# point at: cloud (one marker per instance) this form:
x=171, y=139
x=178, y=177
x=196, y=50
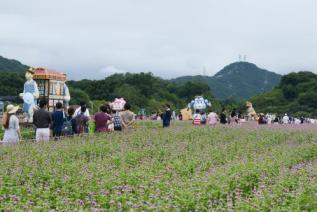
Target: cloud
x=168, y=38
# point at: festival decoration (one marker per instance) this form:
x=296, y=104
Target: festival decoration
x=186, y=114
x=52, y=87
x=251, y=114
x=118, y=104
x=30, y=95
x=199, y=103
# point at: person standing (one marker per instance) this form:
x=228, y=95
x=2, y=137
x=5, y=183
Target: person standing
x=82, y=121
x=223, y=117
x=70, y=125
x=166, y=116
x=285, y=119
x=128, y=117
x=58, y=118
x=117, y=121
x=78, y=110
x=197, y=118
x=42, y=120
x=233, y=116
x=212, y=119
x=102, y=119
x=11, y=126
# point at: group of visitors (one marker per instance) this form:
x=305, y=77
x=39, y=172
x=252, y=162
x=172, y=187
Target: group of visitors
x=67, y=123
x=200, y=117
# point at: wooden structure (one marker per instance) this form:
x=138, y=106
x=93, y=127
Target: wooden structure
x=51, y=86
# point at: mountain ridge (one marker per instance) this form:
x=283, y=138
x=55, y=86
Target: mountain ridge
x=238, y=80
x=11, y=65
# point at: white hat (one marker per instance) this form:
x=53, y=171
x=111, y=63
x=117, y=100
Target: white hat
x=12, y=109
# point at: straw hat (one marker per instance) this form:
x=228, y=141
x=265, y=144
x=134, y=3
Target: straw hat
x=12, y=109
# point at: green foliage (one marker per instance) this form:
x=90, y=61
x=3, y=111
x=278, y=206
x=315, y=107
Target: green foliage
x=144, y=90
x=78, y=96
x=11, y=83
x=296, y=95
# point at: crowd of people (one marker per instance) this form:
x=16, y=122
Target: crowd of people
x=67, y=122
x=71, y=122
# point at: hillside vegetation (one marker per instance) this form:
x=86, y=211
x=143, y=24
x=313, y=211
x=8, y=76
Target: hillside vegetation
x=296, y=94
x=144, y=90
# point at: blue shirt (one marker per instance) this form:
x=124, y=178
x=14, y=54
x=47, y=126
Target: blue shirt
x=58, y=120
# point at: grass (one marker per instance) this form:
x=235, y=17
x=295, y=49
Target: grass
x=150, y=168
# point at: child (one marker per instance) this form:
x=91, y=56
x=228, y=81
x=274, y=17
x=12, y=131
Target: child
x=197, y=118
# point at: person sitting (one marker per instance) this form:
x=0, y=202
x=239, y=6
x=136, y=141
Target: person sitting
x=58, y=119
x=11, y=125
x=128, y=117
x=82, y=121
x=102, y=119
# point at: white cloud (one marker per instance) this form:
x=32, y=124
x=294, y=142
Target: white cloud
x=168, y=38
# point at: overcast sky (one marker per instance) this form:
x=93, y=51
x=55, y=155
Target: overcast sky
x=170, y=38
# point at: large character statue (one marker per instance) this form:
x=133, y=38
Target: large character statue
x=199, y=103
x=251, y=114
x=30, y=95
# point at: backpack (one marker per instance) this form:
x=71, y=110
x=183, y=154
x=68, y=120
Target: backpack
x=67, y=128
x=117, y=121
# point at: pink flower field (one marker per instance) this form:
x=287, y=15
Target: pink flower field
x=244, y=167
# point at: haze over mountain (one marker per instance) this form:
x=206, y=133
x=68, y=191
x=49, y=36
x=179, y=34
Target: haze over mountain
x=239, y=80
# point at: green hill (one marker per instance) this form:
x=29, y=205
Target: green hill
x=9, y=65
x=240, y=80
x=296, y=94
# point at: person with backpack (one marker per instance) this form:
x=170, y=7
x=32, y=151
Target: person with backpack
x=70, y=125
x=58, y=118
x=82, y=121
x=197, y=118
x=117, y=121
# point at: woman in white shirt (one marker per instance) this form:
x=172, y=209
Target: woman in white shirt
x=11, y=125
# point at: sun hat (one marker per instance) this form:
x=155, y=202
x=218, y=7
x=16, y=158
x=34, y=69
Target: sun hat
x=12, y=109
